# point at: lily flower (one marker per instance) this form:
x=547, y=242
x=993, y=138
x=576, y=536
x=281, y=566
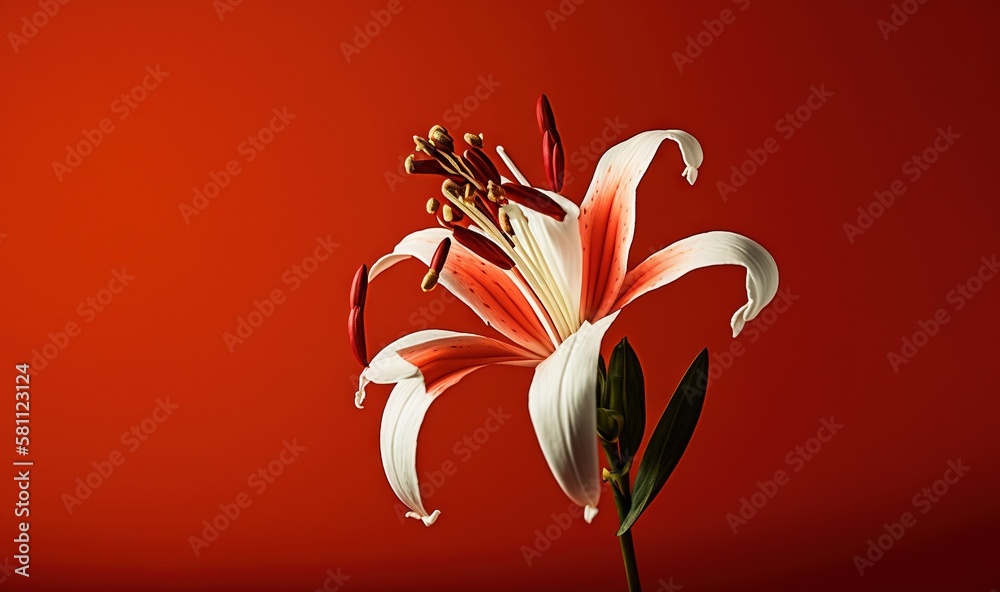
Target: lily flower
x=549, y=277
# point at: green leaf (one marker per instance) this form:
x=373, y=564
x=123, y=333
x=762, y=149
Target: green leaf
x=669, y=439
x=627, y=395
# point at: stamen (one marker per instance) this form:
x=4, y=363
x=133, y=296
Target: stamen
x=510, y=165
x=474, y=140
x=479, y=159
x=451, y=190
x=356, y=320
x=441, y=139
x=356, y=335
x=534, y=199
x=543, y=112
x=359, y=287
x=553, y=160
x=423, y=167
x=494, y=193
x=432, y=205
x=468, y=194
x=437, y=264
x=450, y=214
x=484, y=247
x=441, y=255
x=505, y=224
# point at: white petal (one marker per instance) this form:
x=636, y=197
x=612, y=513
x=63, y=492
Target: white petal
x=423, y=365
x=401, y=420
x=703, y=250
x=607, y=216
x=564, y=413
x=559, y=243
x=487, y=290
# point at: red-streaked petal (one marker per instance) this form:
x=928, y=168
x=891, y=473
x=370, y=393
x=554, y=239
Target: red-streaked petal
x=423, y=365
x=703, y=250
x=607, y=215
x=489, y=291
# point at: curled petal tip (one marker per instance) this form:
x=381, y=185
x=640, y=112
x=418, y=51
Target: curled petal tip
x=427, y=520
x=588, y=513
x=740, y=319
x=359, y=399
x=691, y=174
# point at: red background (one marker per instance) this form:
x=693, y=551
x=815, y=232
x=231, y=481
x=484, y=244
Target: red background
x=325, y=175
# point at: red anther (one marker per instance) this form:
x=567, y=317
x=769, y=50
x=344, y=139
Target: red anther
x=546, y=119
x=359, y=287
x=559, y=164
x=356, y=335
x=479, y=173
x=441, y=255
x=424, y=167
x=482, y=246
x=534, y=199
x=491, y=169
x=549, y=147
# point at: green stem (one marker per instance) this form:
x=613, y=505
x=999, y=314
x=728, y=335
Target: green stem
x=622, y=490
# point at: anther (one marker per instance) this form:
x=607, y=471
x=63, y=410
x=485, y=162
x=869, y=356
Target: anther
x=437, y=264
x=423, y=167
x=359, y=287
x=432, y=205
x=441, y=139
x=482, y=246
x=450, y=214
x=451, y=189
x=505, y=224
x=474, y=140
x=534, y=199
x=494, y=192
